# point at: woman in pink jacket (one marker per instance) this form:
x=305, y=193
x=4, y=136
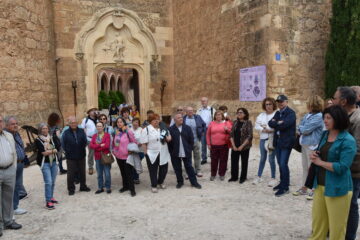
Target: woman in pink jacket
x=123, y=136
x=217, y=138
x=100, y=142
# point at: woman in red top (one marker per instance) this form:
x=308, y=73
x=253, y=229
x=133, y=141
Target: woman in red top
x=217, y=137
x=100, y=142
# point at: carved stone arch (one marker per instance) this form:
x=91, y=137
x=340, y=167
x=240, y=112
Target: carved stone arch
x=112, y=82
x=116, y=37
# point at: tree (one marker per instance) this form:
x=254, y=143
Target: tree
x=342, y=62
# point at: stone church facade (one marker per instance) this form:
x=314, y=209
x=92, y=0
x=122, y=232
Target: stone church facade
x=180, y=49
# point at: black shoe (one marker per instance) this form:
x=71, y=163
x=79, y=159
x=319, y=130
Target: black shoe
x=203, y=162
x=232, y=180
x=63, y=172
x=196, y=185
x=242, y=181
x=133, y=193
x=123, y=190
x=99, y=191
x=277, y=187
x=281, y=192
x=71, y=193
x=108, y=191
x=23, y=197
x=13, y=226
x=85, y=189
x=179, y=185
x=1, y=234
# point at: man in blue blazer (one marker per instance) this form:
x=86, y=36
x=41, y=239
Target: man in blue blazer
x=284, y=124
x=180, y=148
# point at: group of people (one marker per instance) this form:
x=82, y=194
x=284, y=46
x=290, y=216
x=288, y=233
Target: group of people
x=328, y=135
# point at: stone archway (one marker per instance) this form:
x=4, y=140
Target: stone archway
x=116, y=37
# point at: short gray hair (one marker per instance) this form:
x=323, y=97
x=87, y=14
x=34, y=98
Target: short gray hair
x=348, y=94
x=356, y=89
x=41, y=126
x=7, y=119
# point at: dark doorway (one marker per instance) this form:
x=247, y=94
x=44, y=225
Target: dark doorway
x=134, y=85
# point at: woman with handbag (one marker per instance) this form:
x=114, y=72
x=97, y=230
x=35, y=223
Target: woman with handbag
x=310, y=129
x=241, y=140
x=46, y=159
x=100, y=142
x=266, y=140
x=123, y=136
x=332, y=182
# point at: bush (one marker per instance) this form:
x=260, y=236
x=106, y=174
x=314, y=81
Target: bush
x=105, y=99
x=343, y=53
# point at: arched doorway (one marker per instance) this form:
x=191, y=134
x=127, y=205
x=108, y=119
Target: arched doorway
x=119, y=84
x=112, y=83
x=134, y=88
x=103, y=83
x=116, y=38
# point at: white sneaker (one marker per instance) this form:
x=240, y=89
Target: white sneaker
x=257, y=180
x=273, y=182
x=19, y=211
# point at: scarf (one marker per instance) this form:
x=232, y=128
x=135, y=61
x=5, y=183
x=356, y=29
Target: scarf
x=48, y=146
x=99, y=138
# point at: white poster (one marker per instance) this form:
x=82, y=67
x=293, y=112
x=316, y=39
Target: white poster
x=253, y=84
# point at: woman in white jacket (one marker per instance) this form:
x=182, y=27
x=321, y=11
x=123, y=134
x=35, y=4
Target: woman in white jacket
x=266, y=138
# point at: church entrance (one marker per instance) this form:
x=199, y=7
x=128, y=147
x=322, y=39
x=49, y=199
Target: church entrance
x=123, y=80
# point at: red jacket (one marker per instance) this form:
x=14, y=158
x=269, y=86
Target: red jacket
x=97, y=148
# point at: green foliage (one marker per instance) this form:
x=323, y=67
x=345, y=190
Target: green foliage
x=105, y=99
x=343, y=53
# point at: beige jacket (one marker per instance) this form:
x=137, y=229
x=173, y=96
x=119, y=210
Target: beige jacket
x=354, y=130
x=10, y=138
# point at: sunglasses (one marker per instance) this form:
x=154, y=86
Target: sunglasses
x=240, y=112
x=103, y=119
x=179, y=110
x=268, y=104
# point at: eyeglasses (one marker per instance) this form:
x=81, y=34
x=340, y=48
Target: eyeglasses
x=102, y=118
x=180, y=110
x=268, y=104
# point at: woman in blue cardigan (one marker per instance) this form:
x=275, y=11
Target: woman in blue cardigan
x=332, y=182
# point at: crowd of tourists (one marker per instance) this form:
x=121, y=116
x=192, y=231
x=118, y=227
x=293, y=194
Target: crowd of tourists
x=328, y=137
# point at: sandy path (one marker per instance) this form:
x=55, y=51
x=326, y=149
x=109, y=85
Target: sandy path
x=219, y=211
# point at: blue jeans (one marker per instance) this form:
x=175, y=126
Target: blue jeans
x=49, y=174
x=101, y=171
x=282, y=155
x=263, y=156
x=353, y=220
x=18, y=184
x=204, y=146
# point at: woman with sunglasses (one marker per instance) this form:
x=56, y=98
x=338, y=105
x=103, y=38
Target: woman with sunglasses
x=241, y=138
x=266, y=138
x=107, y=128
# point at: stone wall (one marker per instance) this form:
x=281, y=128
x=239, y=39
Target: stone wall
x=214, y=39
x=27, y=60
x=71, y=16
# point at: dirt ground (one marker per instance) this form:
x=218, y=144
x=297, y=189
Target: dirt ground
x=220, y=210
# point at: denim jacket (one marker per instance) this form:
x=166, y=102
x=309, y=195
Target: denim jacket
x=310, y=128
x=341, y=154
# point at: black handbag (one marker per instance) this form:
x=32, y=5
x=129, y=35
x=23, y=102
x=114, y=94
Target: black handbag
x=297, y=145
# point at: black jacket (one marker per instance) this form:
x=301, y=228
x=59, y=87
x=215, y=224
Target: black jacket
x=187, y=138
x=287, y=129
x=74, y=148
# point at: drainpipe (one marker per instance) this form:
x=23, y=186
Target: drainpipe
x=57, y=60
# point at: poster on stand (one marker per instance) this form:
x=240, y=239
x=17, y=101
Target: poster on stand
x=252, y=84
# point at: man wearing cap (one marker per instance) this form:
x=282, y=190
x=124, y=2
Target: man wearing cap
x=89, y=125
x=284, y=124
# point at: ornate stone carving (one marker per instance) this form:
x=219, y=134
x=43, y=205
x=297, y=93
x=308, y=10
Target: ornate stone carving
x=117, y=47
x=79, y=55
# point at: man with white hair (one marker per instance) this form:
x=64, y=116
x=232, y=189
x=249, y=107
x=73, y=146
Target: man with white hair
x=357, y=90
x=207, y=114
x=8, y=161
x=12, y=127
